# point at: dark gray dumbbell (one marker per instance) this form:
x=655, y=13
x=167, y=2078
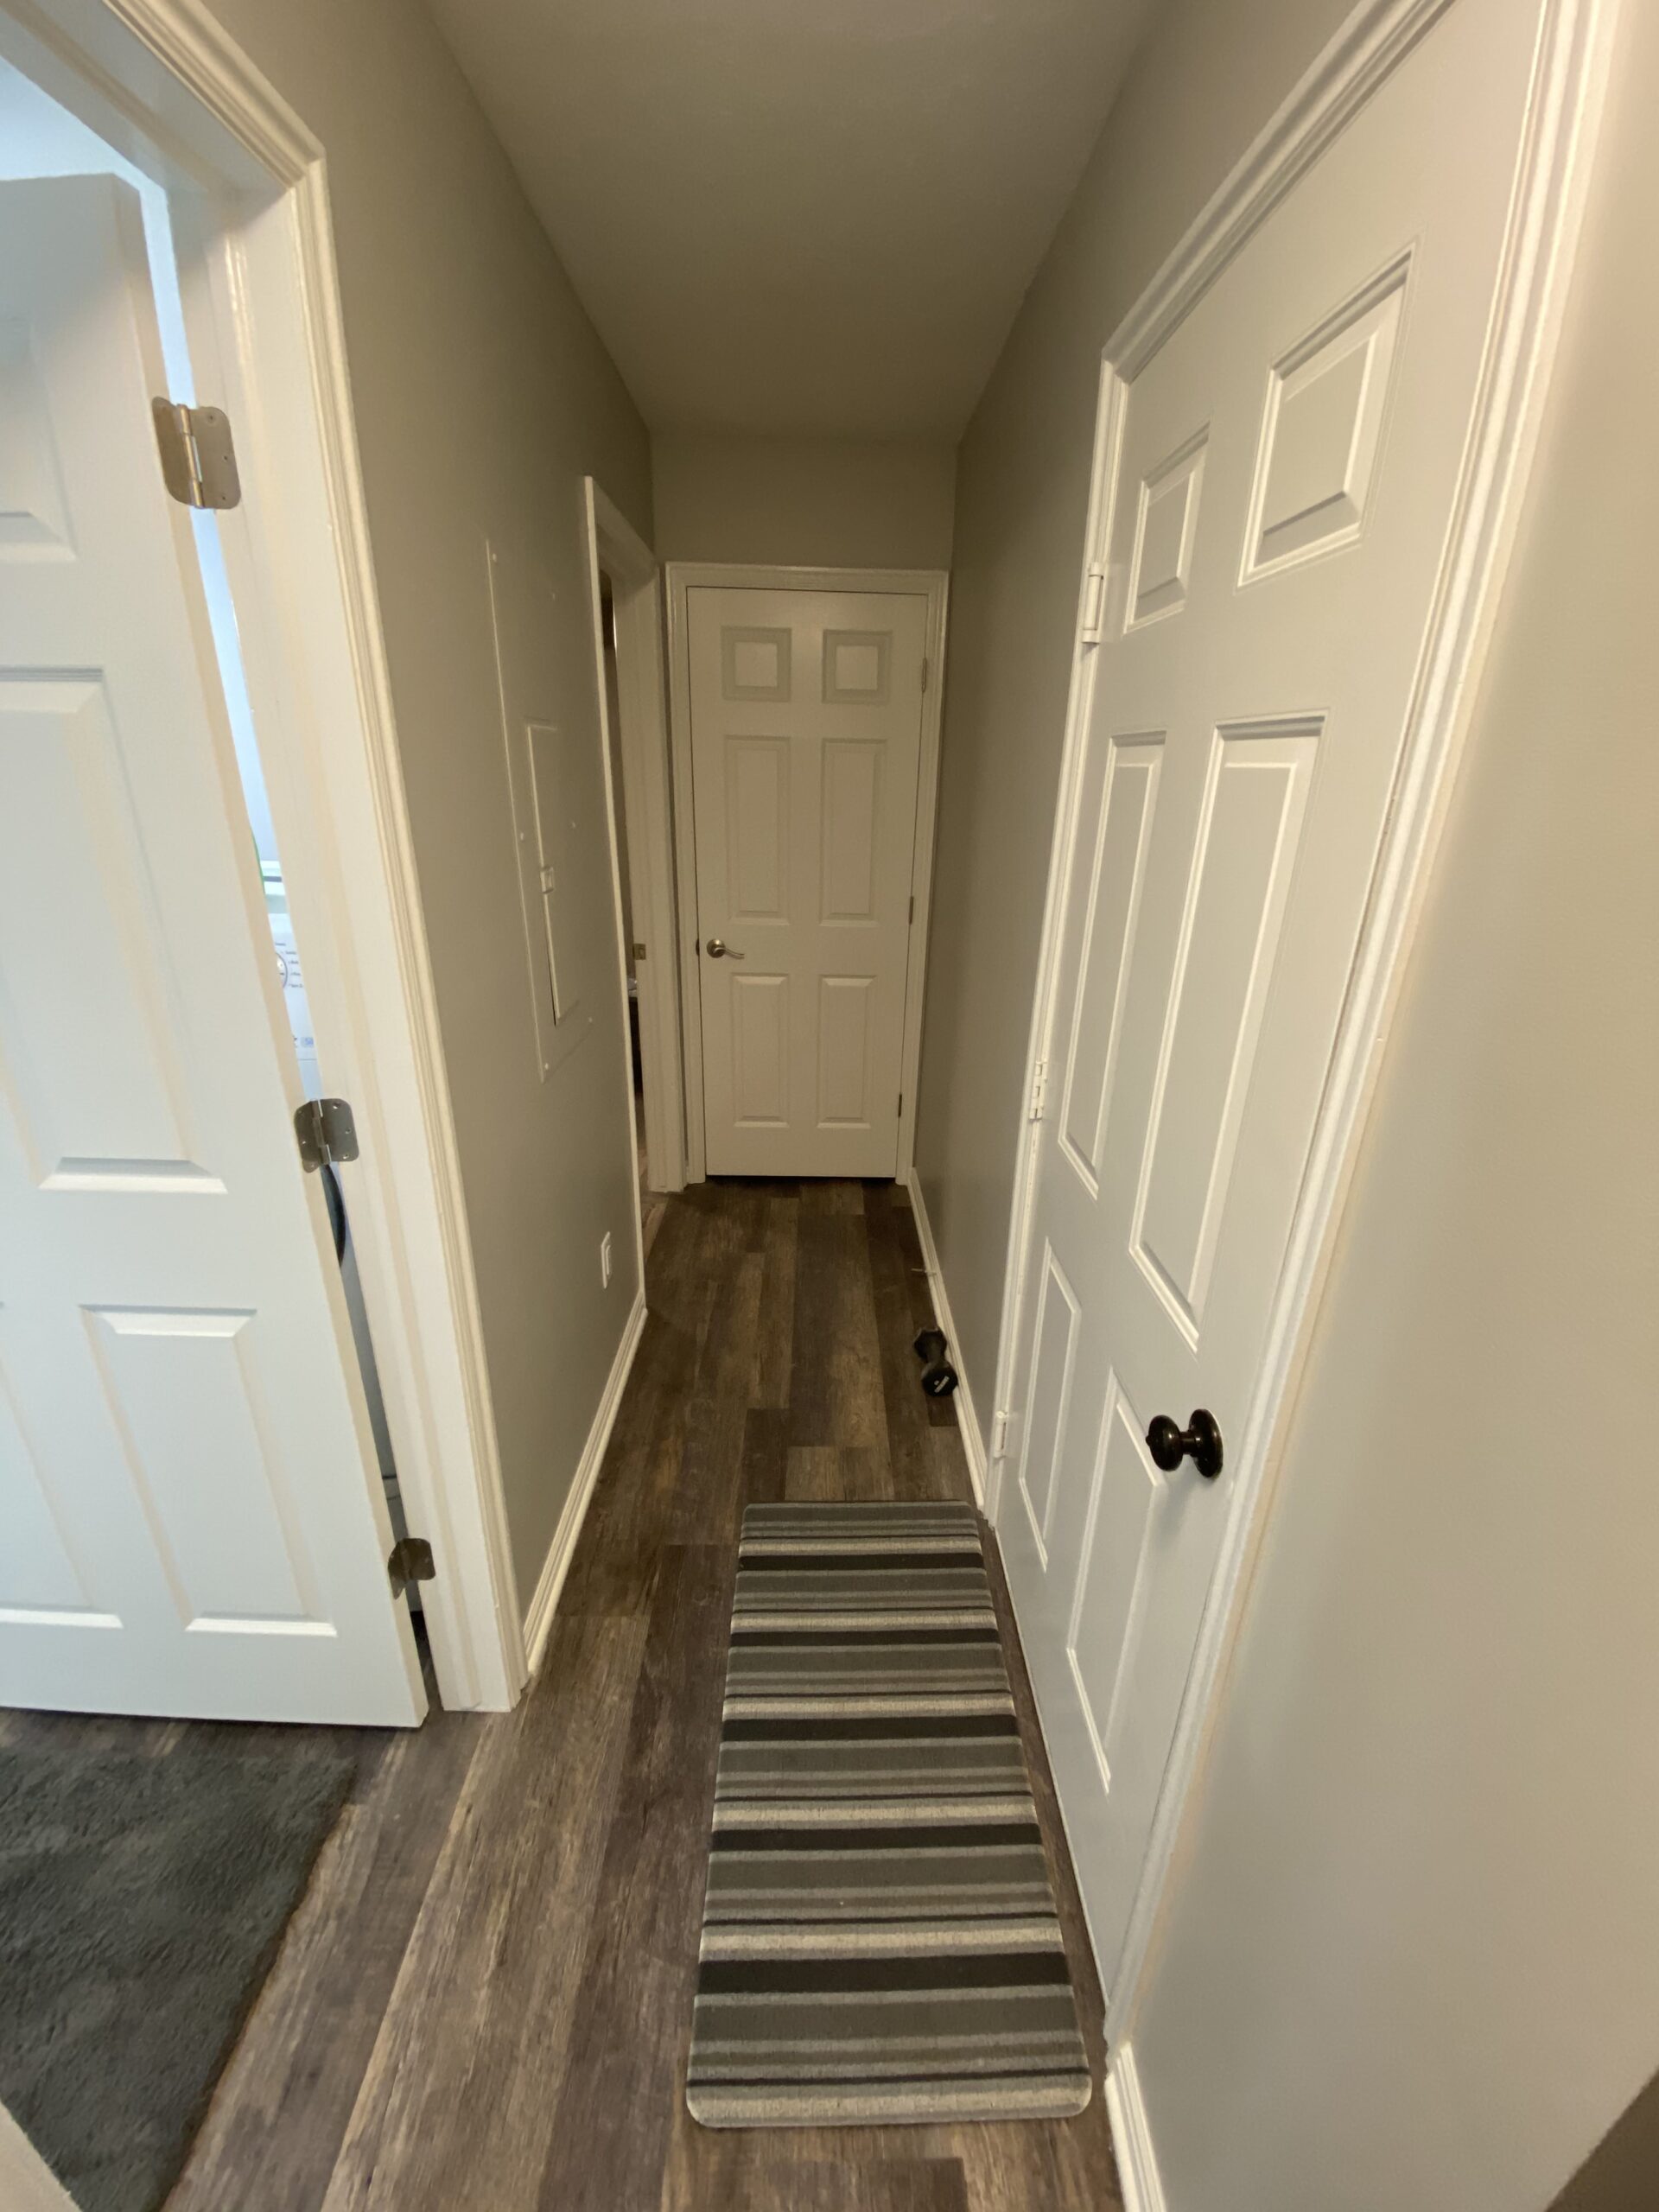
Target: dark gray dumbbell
x=938, y=1376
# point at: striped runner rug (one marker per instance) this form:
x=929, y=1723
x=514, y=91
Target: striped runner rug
x=879, y=1941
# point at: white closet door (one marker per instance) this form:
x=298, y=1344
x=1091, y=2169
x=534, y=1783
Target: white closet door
x=807, y=726
x=1289, y=463
x=194, y=1523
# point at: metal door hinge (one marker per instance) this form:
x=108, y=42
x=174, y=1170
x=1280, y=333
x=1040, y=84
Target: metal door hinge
x=901, y=1103
x=1001, y=1422
x=913, y=908
x=198, y=456
x=638, y=950
x=1039, y=1092
x=326, y=1130
x=924, y=673
x=409, y=1561
x=1094, y=603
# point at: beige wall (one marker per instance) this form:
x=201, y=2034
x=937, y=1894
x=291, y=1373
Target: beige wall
x=1209, y=78
x=812, y=502
x=1411, y=1954
x=482, y=396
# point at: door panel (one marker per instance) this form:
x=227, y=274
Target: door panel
x=806, y=714
x=1289, y=463
x=193, y=1513
x=1245, y=849
x=1125, y=773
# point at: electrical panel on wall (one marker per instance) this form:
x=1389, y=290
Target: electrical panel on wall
x=558, y=813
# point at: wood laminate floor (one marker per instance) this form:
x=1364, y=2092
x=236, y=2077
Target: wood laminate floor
x=484, y=2003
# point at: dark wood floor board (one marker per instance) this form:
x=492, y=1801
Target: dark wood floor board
x=822, y=1195
x=821, y=1473
x=610, y=2139
x=457, y=2104
x=836, y=1395
x=274, y=2130
x=765, y=1454
x=891, y=2183
x=517, y=2040
x=775, y=1340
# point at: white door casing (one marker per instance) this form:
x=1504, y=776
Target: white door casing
x=806, y=712
x=1289, y=460
x=194, y=1519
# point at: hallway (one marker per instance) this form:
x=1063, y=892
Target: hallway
x=486, y=1999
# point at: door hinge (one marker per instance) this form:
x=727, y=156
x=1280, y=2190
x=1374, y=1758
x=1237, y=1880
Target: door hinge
x=924, y=671
x=1001, y=1420
x=638, y=950
x=1094, y=603
x=912, y=906
x=326, y=1130
x=1039, y=1092
x=198, y=456
x=409, y=1561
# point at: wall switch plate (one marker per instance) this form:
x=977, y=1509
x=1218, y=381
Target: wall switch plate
x=605, y=1259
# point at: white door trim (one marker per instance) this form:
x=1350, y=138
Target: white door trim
x=684, y=576
x=642, y=743
x=182, y=101
x=1570, y=71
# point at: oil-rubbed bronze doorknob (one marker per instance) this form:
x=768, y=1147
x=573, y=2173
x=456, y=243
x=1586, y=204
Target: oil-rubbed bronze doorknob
x=1200, y=1441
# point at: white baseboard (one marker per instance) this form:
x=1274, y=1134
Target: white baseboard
x=27, y=2182
x=973, y=1436
x=1137, y=2167
x=539, y=1621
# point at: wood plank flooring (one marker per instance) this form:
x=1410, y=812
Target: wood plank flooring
x=485, y=2001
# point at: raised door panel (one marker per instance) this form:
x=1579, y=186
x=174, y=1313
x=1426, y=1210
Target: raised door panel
x=89, y=1043
x=1053, y=1374
x=850, y=812
x=1128, y=1490
x=760, y=1044
x=1322, y=429
x=846, y=1011
x=183, y=1393
x=1240, y=879
x=41, y=1582
x=34, y=511
x=757, y=828
x=1117, y=851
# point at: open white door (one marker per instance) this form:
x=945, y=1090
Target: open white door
x=1289, y=470
x=193, y=1518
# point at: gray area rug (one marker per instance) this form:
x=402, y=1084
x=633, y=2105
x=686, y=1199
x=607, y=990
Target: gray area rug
x=141, y=1899
x=880, y=1941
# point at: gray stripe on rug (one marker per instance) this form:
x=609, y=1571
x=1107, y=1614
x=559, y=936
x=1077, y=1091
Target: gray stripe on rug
x=881, y=1943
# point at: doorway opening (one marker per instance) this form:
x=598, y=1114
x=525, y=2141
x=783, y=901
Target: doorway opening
x=628, y=662
x=806, y=712
x=165, y=187
x=40, y=138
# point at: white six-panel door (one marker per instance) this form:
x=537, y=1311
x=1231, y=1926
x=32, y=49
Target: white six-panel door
x=806, y=723
x=191, y=1515
x=1289, y=462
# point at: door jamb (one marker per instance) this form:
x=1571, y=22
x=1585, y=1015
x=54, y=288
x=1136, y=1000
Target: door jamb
x=933, y=584
x=1569, y=78
x=164, y=82
x=642, y=746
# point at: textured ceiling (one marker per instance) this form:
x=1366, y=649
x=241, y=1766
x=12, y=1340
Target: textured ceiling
x=807, y=216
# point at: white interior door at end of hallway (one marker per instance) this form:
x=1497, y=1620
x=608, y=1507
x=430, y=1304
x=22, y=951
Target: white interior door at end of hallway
x=1289, y=465
x=806, y=730
x=194, y=1521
